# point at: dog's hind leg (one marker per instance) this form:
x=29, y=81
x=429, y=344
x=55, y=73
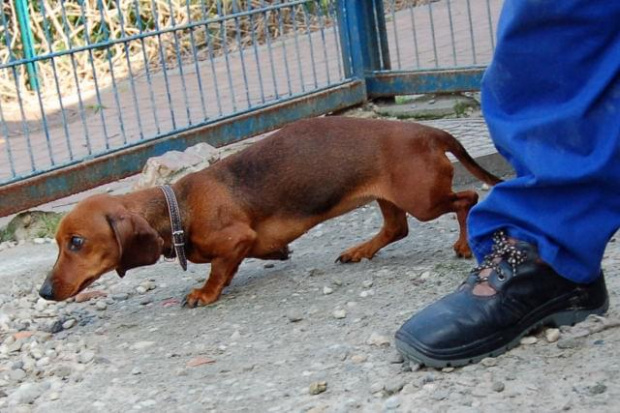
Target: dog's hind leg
x=394, y=228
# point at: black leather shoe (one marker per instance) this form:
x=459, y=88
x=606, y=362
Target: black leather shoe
x=510, y=294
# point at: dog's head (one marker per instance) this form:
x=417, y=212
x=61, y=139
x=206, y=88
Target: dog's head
x=98, y=236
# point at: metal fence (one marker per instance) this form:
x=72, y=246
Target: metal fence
x=89, y=89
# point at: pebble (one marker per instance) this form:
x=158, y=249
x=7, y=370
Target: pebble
x=392, y=403
x=489, y=362
x=339, y=314
x=69, y=323
x=141, y=345
x=17, y=375
x=136, y=370
x=89, y=295
x=552, y=335
x=498, y=387
x=200, y=361
x=367, y=293
x=327, y=290
x=27, y=393
x=120, y=296
x=396, y=358
x=378, y=340
x=147, y=299
x=394, y=386
x=529, y=340
x=367, y=283
x=440, y=394
x=101, y=305
x=376, y=387
x=568, y=343
x=359, y=358
x=294, y=316
x=598, y=388
x=86, y=357
x=318, y=387
x=54, y=396
x=39, y=241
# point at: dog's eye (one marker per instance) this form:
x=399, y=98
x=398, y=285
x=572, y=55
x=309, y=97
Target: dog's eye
x=76, y=243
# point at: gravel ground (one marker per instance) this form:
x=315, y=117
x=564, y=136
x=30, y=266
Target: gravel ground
x=304, y=335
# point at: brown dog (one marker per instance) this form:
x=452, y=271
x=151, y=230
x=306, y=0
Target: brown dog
x=254, y=203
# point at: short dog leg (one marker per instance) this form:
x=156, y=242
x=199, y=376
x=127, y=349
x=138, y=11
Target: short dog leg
x=394, y=228
x=236, y=244
x=461, y=205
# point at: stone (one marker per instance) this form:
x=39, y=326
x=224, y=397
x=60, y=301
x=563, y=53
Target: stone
x=394, y=386
x=294, y=316
x=392, y=403
x=552, y=335
x=86, y=357
x=359, y=358
x=199, y=361
x=339, y=314
x=62, y=370
x=27, y=393
x=396, y=358
x=367, y=283
x=598, y=388
x=498, y=387
x=568, y=343
x=141, y=345
x=17, y=375
x=318, y=387
x=529, y=340
x=101, y=305
x=70, y=323
x=489, y=362
x=327, y=290
x=136, y=371
x=89, y=295
x=378, y=340
x=173, y=165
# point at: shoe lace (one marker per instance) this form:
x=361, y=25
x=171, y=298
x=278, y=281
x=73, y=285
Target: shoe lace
x=502, y=250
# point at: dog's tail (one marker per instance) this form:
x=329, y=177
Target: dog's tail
x=456, y=148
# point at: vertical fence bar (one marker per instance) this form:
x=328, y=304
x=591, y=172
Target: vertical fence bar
x=26, y=129
x=491, y=31
x=209, y=41
x=162, y=58
x=335, y=28
x=23, y=19
x=269, y=50
x=179, y=62
x=147, y=70
x=471, y=33
x=430, y=14
x=74, y=70
x=108, y=53
x=309, y=36
x=319, y=7
x=415, y=36
x=259, y=71
x=128, y=62
x=7, y=142
x=284, y=51
x=224, y=40
x=50, y=46
x=94, y=70
x=241, y=55
x=192, y=42
x=396, y=42
x=301, y=72
x=452, y=32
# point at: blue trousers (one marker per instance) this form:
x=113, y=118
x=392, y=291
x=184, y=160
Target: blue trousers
x=551, y=99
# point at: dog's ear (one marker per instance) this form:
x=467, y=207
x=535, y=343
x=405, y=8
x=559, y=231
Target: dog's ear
x=138, y=243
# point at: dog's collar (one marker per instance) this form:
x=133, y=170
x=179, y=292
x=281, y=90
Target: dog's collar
x=176, y=227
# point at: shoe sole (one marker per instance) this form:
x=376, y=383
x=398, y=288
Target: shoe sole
x=554, y=320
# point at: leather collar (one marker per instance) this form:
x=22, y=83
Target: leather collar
x=176, y=226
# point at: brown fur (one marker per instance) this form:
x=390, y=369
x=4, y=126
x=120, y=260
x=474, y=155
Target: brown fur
x=254, y=203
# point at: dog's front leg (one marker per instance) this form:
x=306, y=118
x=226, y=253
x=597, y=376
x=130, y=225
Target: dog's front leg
x=234, y=246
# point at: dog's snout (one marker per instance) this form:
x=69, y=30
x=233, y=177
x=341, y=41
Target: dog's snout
x=47, y=291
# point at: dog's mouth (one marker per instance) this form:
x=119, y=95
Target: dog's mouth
x=88, y=281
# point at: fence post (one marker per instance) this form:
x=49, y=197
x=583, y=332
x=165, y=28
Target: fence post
x=21, y=8
x=363, y=37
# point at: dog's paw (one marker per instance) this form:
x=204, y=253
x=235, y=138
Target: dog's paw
x=462, y=251
x=198, y=298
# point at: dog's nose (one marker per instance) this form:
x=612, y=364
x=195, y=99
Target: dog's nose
x=47, y=291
